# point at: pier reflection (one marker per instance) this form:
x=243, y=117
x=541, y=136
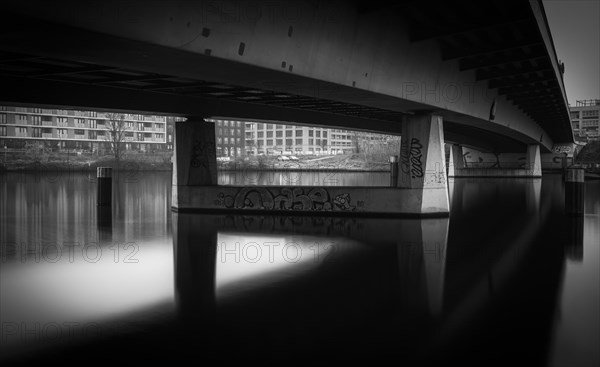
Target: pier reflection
x=419, y=291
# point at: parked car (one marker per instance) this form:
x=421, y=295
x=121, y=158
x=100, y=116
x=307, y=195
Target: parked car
x=282, y=158
x=293, y=158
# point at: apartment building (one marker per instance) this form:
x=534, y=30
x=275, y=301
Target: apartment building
x=585, y=119
x=82, y=130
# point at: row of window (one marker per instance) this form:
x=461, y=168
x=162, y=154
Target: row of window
x=128, y=116
x=288, y=142
x=288, y=134
x=227, y=123
x=79, y=122
x=36, y=132
x=226, y=140
x=222, y=132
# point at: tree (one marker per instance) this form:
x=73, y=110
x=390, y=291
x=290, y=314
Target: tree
x=115, y=133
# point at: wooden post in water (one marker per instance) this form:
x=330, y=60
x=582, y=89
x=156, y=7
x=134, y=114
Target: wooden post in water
x=574, y=191
x=104, y=175
x=393, y=170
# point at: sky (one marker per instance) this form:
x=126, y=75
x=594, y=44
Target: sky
x=575, y=28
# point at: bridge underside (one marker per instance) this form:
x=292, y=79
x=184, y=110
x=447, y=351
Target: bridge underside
x=480, y=76
x=54, y=64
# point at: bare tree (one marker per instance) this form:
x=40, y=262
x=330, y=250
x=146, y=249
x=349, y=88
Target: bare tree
x=116, y=128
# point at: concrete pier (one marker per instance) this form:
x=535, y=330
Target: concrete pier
x=574, y=191
x=421, y=190
x=393, y=171
x=104, y=194
x=532, y=167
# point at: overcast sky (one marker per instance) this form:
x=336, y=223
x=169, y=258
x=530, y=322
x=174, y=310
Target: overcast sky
x=575, y=27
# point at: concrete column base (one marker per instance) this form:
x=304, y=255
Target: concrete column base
x=334, y=200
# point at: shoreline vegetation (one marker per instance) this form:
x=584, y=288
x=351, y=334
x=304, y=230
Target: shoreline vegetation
x=44, y=161
x=23, y=161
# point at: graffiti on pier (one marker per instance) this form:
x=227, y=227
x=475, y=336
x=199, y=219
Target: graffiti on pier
x=286, y=198
x=201, y=153
x=411, y=158
x=342, y=201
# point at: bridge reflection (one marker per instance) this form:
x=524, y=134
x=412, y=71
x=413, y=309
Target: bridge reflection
x=422, y=291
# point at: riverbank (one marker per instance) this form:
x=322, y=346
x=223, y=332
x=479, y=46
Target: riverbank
x=161, y=161
x=333, y=163
x=61, y=161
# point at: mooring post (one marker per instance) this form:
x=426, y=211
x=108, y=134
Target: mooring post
x=393, y=170
x=574, y=191
x=104, y=176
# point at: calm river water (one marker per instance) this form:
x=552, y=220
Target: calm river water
x=507, y=279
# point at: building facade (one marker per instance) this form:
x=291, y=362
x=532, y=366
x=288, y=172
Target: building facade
x=89, y=131
x=229, y=136
x=275, y=139
x=585, y=118
x=81, y=130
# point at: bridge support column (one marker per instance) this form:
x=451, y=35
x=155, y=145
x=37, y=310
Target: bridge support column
x=456, y=161
x=194, y=157
x=533, y=161
x=423, y=163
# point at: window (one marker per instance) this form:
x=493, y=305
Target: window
x=324, y=142
x=79, y=132
x=226, y=140
x=318, y=134
x=279, y=141
x=61, y=121
x=310, y=132
x=311, y=141
x=318, y=142
x=299, y=141
x=219, y=140
x=79, y=122
x=269, y=134
x=261, y=134
x=2, y=118
x=324, y=134
x=36, y=120
x=269, y=142
x=238, y=140
x=239, y=124
x=269, y=126
x=289, y=142
x=279, y=134
x=22, y=118
x=2, y=130
x=232, y=132
x=299, y=133
x=61, y=131
x=590, y=114
x=288, y=133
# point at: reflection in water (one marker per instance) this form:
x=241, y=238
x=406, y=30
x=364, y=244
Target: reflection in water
x=70, y=269
x=304, y=178
x=481, y=287
x=576, y=330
